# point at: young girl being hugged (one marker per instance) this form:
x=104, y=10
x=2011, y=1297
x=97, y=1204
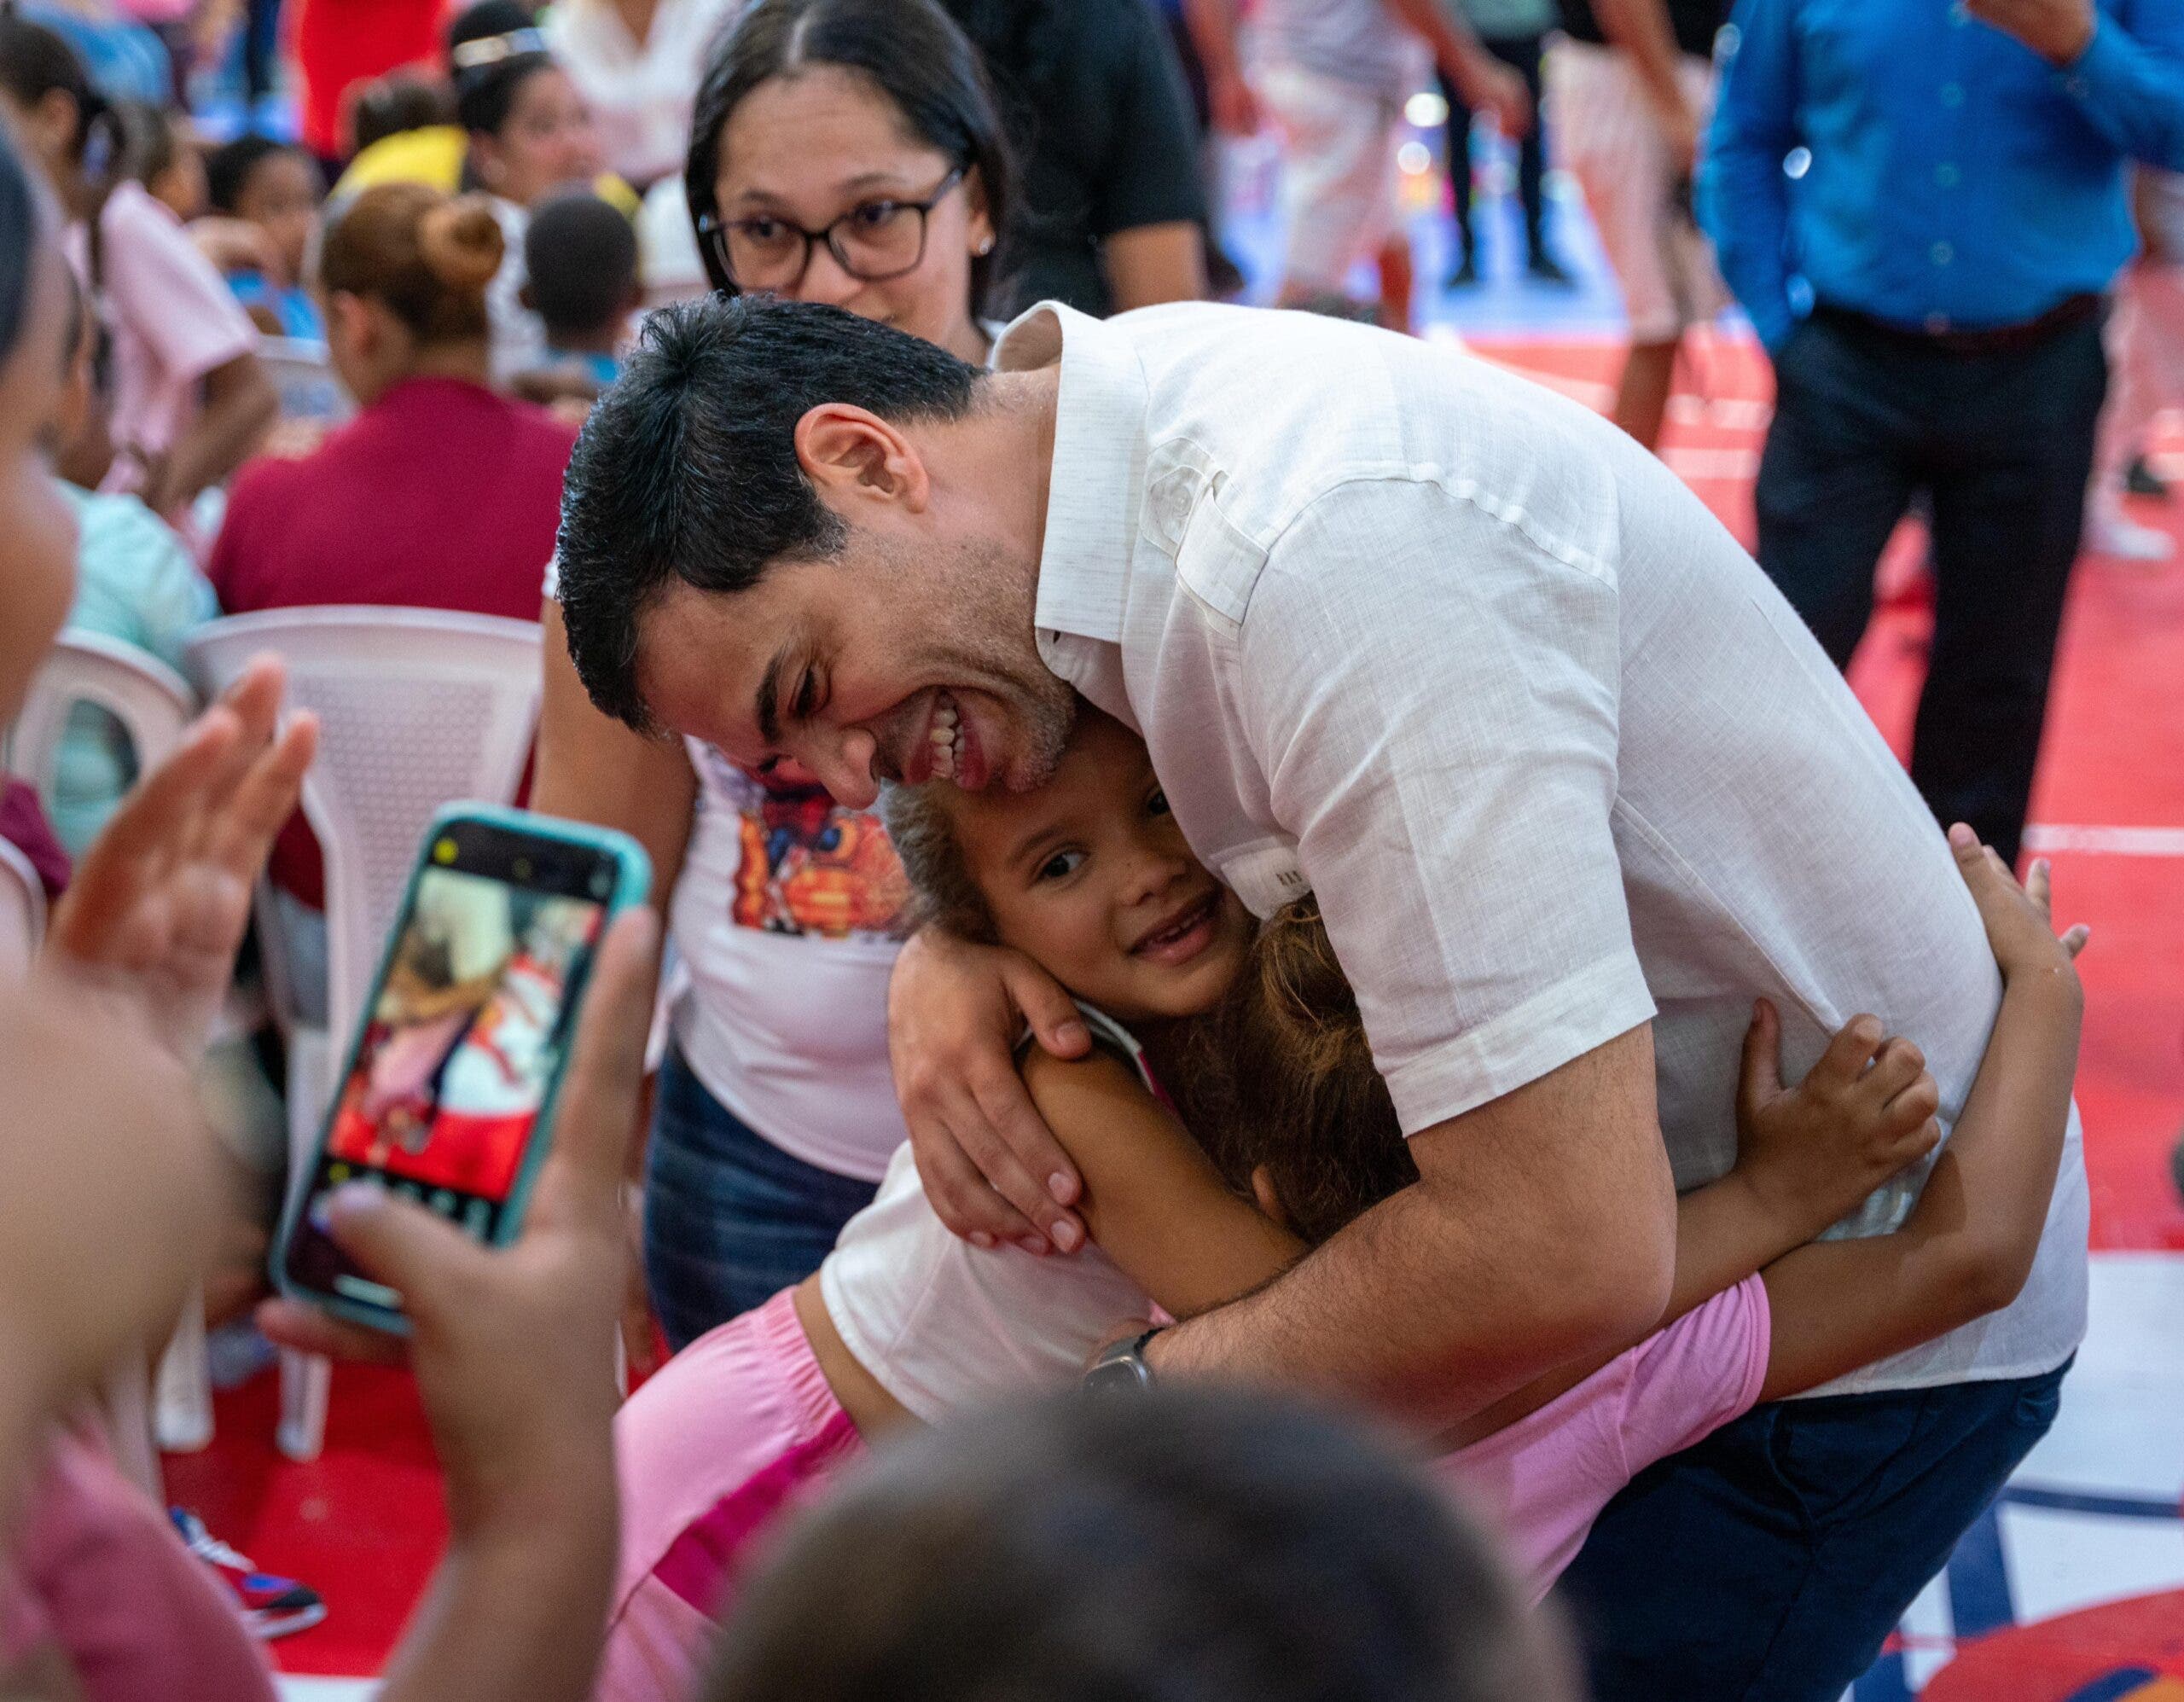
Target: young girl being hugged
x=1255, y=1028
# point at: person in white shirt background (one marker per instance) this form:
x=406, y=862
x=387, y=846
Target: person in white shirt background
x=636, y=63
x=777, y=1114
x=1572, y=784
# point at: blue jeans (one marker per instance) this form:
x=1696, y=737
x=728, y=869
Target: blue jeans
x=730, y=1219
x=1767, y=1563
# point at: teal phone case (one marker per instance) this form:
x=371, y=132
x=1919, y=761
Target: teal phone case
x=632, y=884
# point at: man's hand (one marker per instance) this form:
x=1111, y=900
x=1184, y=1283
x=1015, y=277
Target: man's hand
x=1808, y=1154
x=990, y=1166
x=513, y=1347
x=159, y=905
x=2057, y=30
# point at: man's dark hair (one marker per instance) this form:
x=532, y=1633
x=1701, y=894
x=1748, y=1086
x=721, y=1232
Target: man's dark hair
x=911, y=51
x=1214, y=1545
x=580, y=257
x=687, y=470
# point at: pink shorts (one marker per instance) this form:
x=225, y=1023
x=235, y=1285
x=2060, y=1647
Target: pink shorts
x=734, y=1430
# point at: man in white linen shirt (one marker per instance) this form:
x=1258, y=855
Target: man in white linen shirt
x=1572, y=784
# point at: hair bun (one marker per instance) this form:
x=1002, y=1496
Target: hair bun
x=461, y=243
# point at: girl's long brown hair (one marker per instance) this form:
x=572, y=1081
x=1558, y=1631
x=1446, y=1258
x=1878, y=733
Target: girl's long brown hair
x=1283, y=1080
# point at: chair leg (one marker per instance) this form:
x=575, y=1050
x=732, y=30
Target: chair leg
x=184, y=1404
x=306, y=1381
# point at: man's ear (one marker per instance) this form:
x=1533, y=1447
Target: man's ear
x=1268, y=1201
x=853, y=456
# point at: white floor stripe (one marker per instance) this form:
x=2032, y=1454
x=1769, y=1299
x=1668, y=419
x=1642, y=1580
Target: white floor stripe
x=2055, y=836
x=326, y=1689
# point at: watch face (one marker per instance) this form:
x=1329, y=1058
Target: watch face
x=1119, y=1376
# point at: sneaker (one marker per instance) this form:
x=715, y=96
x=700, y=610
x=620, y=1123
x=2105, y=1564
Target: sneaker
x=2126, y=540
x=1544, y=268
x=2141, y=480
x=271, y=1607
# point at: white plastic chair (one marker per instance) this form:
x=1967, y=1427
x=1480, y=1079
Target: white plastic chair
x=303, y=374
x=417, y=708
x=154, y=704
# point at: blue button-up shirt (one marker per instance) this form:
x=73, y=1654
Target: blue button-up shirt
x=1949, y=176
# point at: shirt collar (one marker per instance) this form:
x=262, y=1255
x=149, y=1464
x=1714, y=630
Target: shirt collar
x=1096, y=484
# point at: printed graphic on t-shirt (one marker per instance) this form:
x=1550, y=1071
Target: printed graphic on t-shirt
x=809, y=866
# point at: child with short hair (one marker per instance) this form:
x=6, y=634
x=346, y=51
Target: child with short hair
x=1090, y=876
x=580, y=257
x=274, y=188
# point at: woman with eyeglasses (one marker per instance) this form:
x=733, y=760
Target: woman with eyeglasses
x=848, y=152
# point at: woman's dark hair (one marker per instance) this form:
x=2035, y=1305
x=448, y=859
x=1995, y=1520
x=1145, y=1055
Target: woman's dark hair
x=911, y=52
x=1219, y=1545
x=1282, y=1078
x=228, y=167
x=398, y=101
x=425, y=255
x=35, y=62
x=686, y=468
x=493, y=49
x=19, y=230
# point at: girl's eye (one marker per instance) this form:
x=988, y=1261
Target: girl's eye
x=807, y=699
x=1062, y=865
x=1158, y=803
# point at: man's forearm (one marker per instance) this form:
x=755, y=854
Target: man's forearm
x=1454, y=46
x=1543, y=1231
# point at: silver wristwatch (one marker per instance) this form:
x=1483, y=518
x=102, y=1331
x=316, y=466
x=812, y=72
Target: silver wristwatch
x=1121, y=1365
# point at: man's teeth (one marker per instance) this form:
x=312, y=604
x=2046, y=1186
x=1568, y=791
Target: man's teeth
x=943, y=741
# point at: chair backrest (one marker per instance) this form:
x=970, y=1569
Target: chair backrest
x=303, y=375
x=22, y=914
x=152, y=702
x=417, y=708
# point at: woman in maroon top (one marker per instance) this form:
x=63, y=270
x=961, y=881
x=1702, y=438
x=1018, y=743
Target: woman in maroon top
x=440, y=493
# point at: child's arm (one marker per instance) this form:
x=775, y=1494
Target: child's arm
x=1153, y=1200
x=1968, y=1245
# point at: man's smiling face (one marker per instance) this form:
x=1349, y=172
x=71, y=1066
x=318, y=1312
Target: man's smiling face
x=884, y=662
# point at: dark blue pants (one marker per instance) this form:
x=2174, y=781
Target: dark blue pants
x=730, y=1219
x=1866, y=419
x=1767, y=1563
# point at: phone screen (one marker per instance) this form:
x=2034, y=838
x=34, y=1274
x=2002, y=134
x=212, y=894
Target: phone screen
x=463, y=1038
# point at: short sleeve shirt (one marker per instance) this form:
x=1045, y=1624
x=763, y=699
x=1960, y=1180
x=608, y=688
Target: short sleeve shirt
x=173, y=318
x=1102, y=122
x=1404, y=629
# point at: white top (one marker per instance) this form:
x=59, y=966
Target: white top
x=945, y=1326
x=640, y=92
x=516, y=335
x=785, y=916
x=1404, y=628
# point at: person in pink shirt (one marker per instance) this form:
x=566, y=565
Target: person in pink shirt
x=1292, y=1135
x=187, y=396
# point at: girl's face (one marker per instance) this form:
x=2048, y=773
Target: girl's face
x=548, y=143
x=808, y=149
x=281, y=197
x=1090, y=877
x=38, y=533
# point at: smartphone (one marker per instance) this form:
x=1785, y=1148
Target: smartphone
x=447, y=1094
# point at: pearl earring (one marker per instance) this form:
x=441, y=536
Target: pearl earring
x=985, y=246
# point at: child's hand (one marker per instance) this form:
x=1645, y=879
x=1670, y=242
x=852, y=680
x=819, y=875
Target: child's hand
x=2020, y=927
x=1811, y=1153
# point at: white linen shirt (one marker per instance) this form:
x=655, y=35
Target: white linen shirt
x=1405, y=629
x=640, y=92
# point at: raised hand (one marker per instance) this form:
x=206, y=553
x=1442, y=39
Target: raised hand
x=2020, y=919
x=160, y=902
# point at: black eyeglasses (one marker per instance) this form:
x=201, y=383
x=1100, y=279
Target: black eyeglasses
x=874, y=241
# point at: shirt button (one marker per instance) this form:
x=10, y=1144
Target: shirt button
x=1946, y=176
x=1942, y=254
x=1952, y=94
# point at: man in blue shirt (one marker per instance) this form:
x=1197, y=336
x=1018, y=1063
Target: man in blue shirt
x=1928, y=273
x=1919, y=204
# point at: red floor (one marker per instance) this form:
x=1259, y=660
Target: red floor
x=364, y=1523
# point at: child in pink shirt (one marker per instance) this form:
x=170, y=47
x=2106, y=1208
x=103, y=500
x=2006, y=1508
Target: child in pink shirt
x=1291, y=1136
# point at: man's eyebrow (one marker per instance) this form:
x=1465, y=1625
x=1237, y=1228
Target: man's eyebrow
x=770, y=720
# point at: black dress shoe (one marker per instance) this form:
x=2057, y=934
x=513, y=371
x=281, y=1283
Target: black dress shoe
x=1546, y=269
